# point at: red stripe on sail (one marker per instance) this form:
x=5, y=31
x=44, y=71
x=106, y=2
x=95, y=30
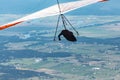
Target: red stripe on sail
x=9, y=25
x=103, y=0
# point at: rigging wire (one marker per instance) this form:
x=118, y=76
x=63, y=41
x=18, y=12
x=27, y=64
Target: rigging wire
x=71, y=25
x=59, y=7
x=61, y=15
x=57, y=27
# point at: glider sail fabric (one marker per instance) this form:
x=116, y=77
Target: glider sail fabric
x=51, y=11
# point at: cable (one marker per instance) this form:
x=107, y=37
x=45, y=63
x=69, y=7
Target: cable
x=59, y=6
x=56, y=28
x=71, y=25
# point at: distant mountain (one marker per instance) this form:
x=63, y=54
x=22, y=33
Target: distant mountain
x=112, y=41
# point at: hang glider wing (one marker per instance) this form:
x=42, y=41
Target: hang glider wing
x=51, y=11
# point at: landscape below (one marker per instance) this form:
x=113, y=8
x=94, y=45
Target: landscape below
x=28, y=52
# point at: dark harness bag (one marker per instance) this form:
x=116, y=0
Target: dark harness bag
x=68, y=35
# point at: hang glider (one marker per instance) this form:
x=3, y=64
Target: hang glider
x=52, y=11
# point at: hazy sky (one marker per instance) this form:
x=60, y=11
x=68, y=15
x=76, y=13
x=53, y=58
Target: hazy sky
x=111, y=7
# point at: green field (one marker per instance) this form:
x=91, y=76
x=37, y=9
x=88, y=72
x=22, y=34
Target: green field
x=87, y=62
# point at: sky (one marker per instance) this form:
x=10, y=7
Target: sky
x=111, y=7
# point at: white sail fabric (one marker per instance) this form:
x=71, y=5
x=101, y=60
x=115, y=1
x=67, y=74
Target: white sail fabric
x=51, y=11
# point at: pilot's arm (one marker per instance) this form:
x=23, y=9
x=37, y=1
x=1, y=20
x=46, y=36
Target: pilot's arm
x=59, y=36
